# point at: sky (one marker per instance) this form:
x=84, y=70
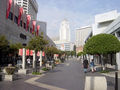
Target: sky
x=79, y=13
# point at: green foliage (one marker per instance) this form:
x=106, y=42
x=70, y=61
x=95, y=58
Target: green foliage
x=105, y=71
x=10, y=70
x=36, y=73
x=81, y=53
x=50, y=51
x=68, y=53
x=73, y=53
x=45, y=69
x=37, y=43
x=14, y=48
x=102, y=44
x=4, y=44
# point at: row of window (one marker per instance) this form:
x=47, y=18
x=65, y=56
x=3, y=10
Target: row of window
x=22, y=24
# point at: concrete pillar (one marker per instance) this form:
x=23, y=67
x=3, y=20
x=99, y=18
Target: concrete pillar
x=118, y=61
x=95, y=83
x=23, y=59
x=40, y=58
x=34, y=58
x=23, y=70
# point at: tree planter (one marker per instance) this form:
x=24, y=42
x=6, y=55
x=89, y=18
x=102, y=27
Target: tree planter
x=10, y=77
x=23, y=71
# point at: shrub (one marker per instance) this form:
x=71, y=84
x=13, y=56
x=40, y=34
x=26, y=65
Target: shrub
x=45, y=69
x=104, y=71
x=36, y=73
x=10, y=70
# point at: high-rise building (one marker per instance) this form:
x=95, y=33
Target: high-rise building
x=64, y=43
x=81, y=34
x=64, y=31
x=29, y=7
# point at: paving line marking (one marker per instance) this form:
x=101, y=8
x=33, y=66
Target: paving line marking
x=46, y=86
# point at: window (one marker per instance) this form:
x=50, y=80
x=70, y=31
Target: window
x=30, y=30
x=24, y=25
x=22, y=36
x=10, y=16
x=16, y=19
x=21, y=23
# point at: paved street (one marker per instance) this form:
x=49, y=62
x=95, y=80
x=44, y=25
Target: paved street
x=67, y=76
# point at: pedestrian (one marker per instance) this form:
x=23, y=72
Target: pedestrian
x=28, y=62
x=85, y=65
x=92, y=65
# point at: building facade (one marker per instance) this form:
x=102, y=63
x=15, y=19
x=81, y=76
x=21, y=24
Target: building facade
x=102, y=21
x=64, y=43
x=81, y=34
x=64, y=46
x=64, y=31
x=17, y=33
x=29, y=6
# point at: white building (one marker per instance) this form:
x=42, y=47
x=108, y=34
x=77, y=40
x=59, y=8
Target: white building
x=64, y=46
x=102, y=21
x=64, y=43
x=29, y=7
x=81, y=34
x=64, y=31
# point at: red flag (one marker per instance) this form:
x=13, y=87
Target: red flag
x=20, y=14
x=28, y=21
x=38, y=27
x=33, y=23
x=8, y=8
x=20, y=52
x=27, y=52
x=38, y=53
x=43, y=53
x=31, y=52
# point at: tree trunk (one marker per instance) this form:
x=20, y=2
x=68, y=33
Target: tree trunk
x=103, y=62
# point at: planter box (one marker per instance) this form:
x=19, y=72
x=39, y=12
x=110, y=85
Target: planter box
x=23, y=71
x=10, y=77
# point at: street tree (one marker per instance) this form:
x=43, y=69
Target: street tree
x=13, y=48
x=4, y=45
x=102, y=44
x=37, y=43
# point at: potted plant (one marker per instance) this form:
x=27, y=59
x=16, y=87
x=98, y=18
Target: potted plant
x=9, y=76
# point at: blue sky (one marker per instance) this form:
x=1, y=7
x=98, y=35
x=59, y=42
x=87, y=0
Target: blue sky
x=78, y=12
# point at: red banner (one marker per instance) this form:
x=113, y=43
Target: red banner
x=43, y=53
x=38, y=27
x=38, y=53
x=8, y=8
x=28, y=21
x=33, y=23
x=27, y=52
x=31, y=52
x=20, y=52
x=20, y=15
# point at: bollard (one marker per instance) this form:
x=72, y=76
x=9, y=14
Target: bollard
x=116, y=80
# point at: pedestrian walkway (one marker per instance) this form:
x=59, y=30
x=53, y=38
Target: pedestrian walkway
x=66, y=76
